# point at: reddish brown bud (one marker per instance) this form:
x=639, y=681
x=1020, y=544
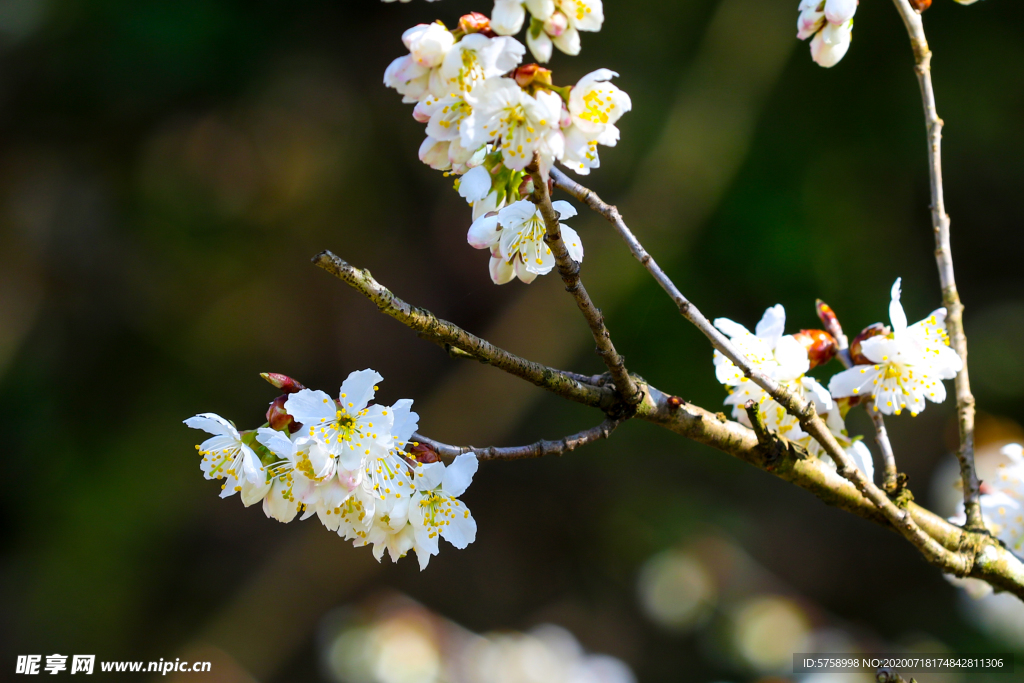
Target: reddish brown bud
x=279, y=418
x=421, y=452
x=674, y=402
x=474, y=22
x=821, y=346
x=531, y=74
x=828, y=319
x=856, y=355
x=282, y=382
x=920, y=5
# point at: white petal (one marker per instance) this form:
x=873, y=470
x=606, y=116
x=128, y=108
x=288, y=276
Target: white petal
x=475, y=184
x=507, y=17
x=862, y=459
x=565, y=209
x=358, y=389
x=310, y=407
x=541, y=46
x=896, y=313
x=461, y=530
x=840, y=11
x=428, y=477
x=573, y=243
x=771, y=325
x=856, y=381
x=501, y=270
x=485, y=232
x=459, y=475
x=276, y=442
x=405, y=422
x=212, y=424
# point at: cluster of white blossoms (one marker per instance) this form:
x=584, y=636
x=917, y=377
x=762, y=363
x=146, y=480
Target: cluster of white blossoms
x=488, y=116
x=344, y=460
x=892, y=371
x=515, y=236
x=1002, y=500
x=553, y=23
x=830, y=22
x=786, y=359
x=901, y=369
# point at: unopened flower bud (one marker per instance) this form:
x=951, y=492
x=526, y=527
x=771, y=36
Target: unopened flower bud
x=821, y=346
x=920, y=5
x=474, y=22
x=556, y=24
x=828, y=319
x=421, y=452
x=526, y=187
x=282, y=382
x=856, y=355
x=530, y=74
x=279, y=418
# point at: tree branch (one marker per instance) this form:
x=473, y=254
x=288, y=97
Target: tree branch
x=535, y=450
x=984, y=557
x=802, y=409
x=570, y=272
x=944, y=260
x=448, y=336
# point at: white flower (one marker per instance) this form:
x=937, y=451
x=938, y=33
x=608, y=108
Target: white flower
x=831, y=24
x=417, y=74
x=909, y=364
x=779, y=357
x=477, y=58
x=435, y=509
x=515, y=236
x=518, y=123
x=350, y=429
x=307, y=476
x=595, y=105
x=443, y=115
x=412, y=81
x=428, y=43
x=1003, y=507
x=555, y=31
x=226, y=456
x=583, y=15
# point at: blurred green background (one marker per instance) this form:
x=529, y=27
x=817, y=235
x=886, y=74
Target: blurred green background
x=169, y=168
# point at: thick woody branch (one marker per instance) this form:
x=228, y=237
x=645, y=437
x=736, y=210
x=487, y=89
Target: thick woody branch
x=539, y=449
x=797, y=406
x=985, y=558
x=944, y=260
x=450, y=336
x=569, y=269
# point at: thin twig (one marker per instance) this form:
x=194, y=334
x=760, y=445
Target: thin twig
x=890, y=475
x=569, y=269
x=944, y=260
x=797, y=406
x=539, y=449
x=448, y=335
